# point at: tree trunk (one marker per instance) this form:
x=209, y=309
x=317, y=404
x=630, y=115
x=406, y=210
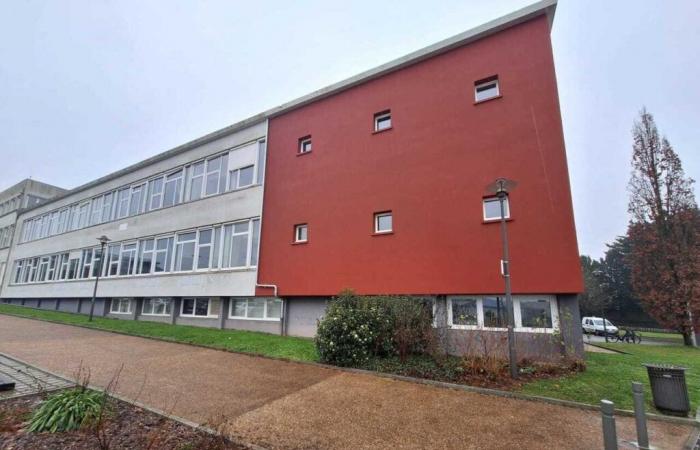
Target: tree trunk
x=688, y=339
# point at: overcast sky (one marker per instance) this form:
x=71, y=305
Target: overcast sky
x=89, y=87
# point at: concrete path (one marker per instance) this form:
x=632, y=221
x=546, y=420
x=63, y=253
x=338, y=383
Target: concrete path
x=295, y=406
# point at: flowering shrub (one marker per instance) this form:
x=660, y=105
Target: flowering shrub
x=358, y=328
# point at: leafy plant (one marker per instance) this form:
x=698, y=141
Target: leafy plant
x=67, y=410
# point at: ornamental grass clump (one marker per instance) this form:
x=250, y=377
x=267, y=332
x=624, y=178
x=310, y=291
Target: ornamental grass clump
x=68, y=410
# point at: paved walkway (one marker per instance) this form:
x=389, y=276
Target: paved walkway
x=295, y=406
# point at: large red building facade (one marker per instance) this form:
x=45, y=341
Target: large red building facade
x=430, y=170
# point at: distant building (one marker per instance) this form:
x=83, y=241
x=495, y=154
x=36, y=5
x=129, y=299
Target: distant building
x=376, y=183
x=13, y=200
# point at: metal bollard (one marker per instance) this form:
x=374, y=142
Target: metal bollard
x=607, y=409
x=639, y=415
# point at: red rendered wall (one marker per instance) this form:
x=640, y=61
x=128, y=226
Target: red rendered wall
x=431, y=170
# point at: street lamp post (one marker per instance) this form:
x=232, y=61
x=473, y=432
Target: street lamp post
x=103, y=241
x=501, y=188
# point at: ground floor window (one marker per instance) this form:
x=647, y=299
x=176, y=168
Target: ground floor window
x=120, y=306
x=256, y=308
x=195, y=307
x=156, y=306
x=532, y=312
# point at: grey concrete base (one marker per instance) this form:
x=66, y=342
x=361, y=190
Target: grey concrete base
x=303, y=315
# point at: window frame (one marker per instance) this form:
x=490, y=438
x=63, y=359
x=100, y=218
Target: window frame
x=486, y=83
x=303, y=143
x=146, y=301
x=379, y=215
x=382, y=117
x=516, y=313
x=486, y=200
x=265, y=317
x=194, y=307
x=297, y=229
x=119, y=301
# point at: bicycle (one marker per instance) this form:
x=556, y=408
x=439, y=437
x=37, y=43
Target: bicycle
x=630, y=337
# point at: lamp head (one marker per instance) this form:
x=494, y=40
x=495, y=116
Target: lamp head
x=103, y=239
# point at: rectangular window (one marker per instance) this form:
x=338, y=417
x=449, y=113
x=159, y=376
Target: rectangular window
x=87, y=263
x=120, y=306
x=63, y=266
x=97, y=263
x=256, y=308
x=146, y=249
x=494, y=310
x=305, y=144
x=301, y=233
x=155, y=193
x=464, y=312
x=62, y=220
x=156, y=307
x=136, y=198
x=535, y=313
x=53, y=223
x=107, y=202
x=163, y=254
x=123, y=203
x=255, y=243
x=43, y=267
x=241, y=177
x=113, y=260
x=19, y=266
x=197, y=180
x=96, y=211
x=53, y=265
x=492, y=208
x=204, y=244
x=127, y=264
x=73, y=268
x=486, y=89
x=45, y=224
x=213, y=175
x=173, y=188
x=184, y=251
x=83, y=215
x=382, y=120
x=195, y=307
x=383, y=222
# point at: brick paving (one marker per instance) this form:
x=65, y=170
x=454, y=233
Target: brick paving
x=282, y=405
x=28, y=380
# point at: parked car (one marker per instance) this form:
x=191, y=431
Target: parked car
x=594, y=325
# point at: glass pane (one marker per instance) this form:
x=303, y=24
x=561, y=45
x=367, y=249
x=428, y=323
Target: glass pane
x=274, y=308
x=464, y=311
x=254, y=244
x=494, y=312
x=187, y=306
x=239, y=250
x=383, y=123
x=536, y=313
x=238, y=307
x=492, y=209
x=203, y=257
x=246, y=176
x=202, y=308
x=187, y=257
x=256, y=308
x=384, y=222
x=241, y=227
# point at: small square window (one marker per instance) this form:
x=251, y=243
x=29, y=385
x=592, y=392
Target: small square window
x=305, y=145
x=301, y=233
x=382, y=121
x=486, y=89
x=383, y=222
x=492, y=209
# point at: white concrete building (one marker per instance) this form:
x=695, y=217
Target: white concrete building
x=27, y=193
x=183, y=229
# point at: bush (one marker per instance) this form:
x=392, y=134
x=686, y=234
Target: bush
x=358, y=328
x=67, y=410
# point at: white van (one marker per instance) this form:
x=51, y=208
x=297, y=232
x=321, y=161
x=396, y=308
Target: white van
x=594, y=325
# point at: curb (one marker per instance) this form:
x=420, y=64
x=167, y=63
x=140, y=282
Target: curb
x=695, y=422
x=138, y=404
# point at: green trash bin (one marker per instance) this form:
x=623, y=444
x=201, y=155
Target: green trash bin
x=669, y=389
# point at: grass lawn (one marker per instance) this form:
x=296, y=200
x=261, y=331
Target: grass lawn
x=299, y=349
x=610, y=376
